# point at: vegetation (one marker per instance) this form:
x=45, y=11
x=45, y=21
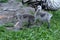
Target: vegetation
x=9, y=24
x=3, y=1
x=35, y=33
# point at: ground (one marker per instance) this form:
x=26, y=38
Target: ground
x=36, y=33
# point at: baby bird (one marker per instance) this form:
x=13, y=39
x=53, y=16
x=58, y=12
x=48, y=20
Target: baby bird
x=24, y=17
x=43, y=16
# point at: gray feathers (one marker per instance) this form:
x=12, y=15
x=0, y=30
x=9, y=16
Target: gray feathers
x=43, y=16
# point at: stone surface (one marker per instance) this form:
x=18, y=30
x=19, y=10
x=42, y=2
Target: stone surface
x=10, y=9
x=6, y=16
x=25, y=10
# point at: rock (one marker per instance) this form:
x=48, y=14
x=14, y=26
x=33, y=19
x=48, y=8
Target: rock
x=26, y=10
x=3, y=20
x=6, y=16
x=9, y=10
x=11, y=5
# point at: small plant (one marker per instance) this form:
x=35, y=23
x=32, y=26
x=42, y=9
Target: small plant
x=8, y=25
x=3, y=1
x=2, y=28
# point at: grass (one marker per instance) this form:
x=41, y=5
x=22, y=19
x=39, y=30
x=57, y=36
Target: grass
x=3, y=1
x=36, y=33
